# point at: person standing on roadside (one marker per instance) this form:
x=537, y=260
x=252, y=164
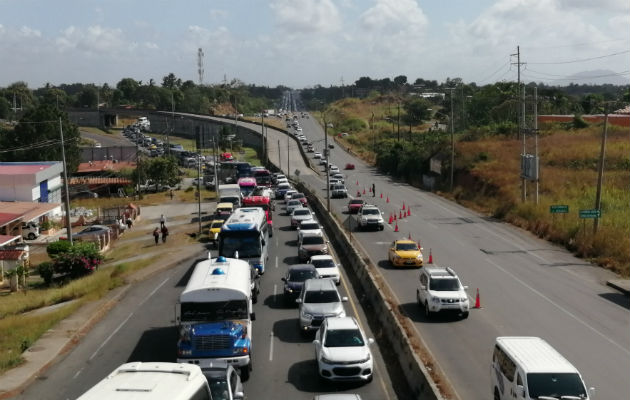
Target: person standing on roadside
x=162, y=221
x=164, y=233
x=373, y=190
x=156, y=235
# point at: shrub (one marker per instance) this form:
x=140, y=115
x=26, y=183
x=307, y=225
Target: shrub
x=46, y=271
x=54, y=249
x=46, y=225
x=83, y=258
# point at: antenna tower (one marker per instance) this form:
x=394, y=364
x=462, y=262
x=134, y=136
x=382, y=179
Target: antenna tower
x=200, y=65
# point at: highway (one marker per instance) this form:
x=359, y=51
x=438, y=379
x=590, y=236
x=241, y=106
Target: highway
x=140, y=328
x=528, y=287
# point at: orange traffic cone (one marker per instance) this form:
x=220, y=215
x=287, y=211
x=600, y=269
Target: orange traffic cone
x=403, y=205
x=370, y=189
x=477, y=301
x=409, y=212
x=381, y=195
x=409, y=237
x=430, y=257
x=399, y=214
x=363, y=190
x=357, y=183
x=396, y=227
x=387, y=199
x=391, y=219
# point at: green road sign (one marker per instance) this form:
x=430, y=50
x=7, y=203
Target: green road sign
x=559, y=209
x=594, y=213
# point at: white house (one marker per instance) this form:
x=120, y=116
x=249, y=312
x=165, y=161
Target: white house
x=38, y=181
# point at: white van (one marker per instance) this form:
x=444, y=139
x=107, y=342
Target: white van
x=30, y=230
x=529, y=368
x=152, y=380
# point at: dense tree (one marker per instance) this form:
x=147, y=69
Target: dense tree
x=37, y=138
x=128, y=87
x=416, y=111
x=88, y=97
x=400, y=80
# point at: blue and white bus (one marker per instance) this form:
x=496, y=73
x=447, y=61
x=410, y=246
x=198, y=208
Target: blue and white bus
x=245, y=235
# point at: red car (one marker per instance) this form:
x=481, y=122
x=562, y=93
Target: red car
x=354, y=205
x=301, y=197
x=349, y=166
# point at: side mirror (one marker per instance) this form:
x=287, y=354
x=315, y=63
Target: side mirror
x=252, y=316
x=316, y=342
x=299, y=301
x=370, y=341
x=283, y=279
x=239, y=396
x=344, y=299
x=263, y=242
x=465, y=287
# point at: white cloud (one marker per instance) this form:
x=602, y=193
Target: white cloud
x=217, y=14
x=307, y=16
x=94, y=40
x=394, y=16
x=599, y=5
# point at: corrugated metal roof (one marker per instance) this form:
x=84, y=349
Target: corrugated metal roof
x=8, y=217
x=27, y=210
x=24, y=168
x=11, y=254
x=6, y=239
x=98, y=181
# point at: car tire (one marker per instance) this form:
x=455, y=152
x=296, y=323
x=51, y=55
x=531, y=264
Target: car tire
x=31, y=236
x=370, y=378
x=465, y=315
x=245, y=371
x=427, y=311
x=496, y=394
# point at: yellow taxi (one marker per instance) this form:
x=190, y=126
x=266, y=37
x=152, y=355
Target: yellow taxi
x=405, y=253
x=215, y=228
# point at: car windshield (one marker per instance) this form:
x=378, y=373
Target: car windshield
x=216, y=225
x=310, y=225
x=344, y=338
x=370, y=211
x=406, y=246
x=321, y=296
x=555, y=385
x=301, y=275
x=294, y=202
x=297, y=196
x=356, y=201
x=325, y=263
x=444, y=284
x=312, y=240
x=219, y=388
x=301, y=212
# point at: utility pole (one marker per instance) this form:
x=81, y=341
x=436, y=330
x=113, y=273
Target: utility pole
x=452, y=140
x=326, y=152
x=373, y=135
x=399, y=120
x=536, y=140
x=168, y=143
x=600, y=171
x=288, y=163
x=199, y=188
x=279, y=156
x=65, y=185
x=521, y=117
x=214, y=155
x=262, y=135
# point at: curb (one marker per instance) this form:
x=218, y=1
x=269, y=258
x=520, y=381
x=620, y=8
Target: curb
x=622, y=285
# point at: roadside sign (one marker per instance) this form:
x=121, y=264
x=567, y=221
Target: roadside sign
x=558, y=209
x=594, y=213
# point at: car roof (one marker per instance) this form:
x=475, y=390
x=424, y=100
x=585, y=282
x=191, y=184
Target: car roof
x=405, y=241
x=440, y=272
x=309, y=221
x=311, y=233
x=299, y=267
x=342, y=323
x=319, y=284
x=322, y=257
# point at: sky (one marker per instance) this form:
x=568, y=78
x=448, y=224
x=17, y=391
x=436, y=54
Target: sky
x=303, y=43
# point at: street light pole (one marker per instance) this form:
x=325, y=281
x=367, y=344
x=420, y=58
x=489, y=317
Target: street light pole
x=452, y=141
x=326, y=152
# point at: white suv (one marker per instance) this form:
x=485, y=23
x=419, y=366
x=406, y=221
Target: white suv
x=369, y=216
x=441, y=291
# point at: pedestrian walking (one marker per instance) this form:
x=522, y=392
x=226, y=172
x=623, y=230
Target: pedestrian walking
x=373, y=190
x=129, y=223
x=171, y=192
x=156, y=235
x=164, y=233
x=162, y=221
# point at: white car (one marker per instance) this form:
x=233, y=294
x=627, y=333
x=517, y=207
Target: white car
x=333, y=182
x=441, y=291
x=288, y=194
x=300, y=214
x=306, y=227
x=293, y=205
x=339, y=177
x=370, y=217
x=282, y=180
x=317, y=155
x=326, y=267
x=343, y=351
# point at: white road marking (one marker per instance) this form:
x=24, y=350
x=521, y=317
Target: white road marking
x=276, y=259
x=110, y=337
x=77, y=374
x=154, y=290
x=559, y=307
x=271, y=346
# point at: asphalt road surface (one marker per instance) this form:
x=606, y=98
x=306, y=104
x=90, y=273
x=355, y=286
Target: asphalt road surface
x=528, y=287
x=140, y=328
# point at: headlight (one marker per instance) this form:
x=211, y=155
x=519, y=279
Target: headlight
x=364, y=360
x=184, y=333
x=364, y=220
x=306, y=315
x=240, y=350
x=435, y=299
x=396, y=256
x=326, y=361
x=419, y=257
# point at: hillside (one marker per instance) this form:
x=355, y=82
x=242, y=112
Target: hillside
x=487, y=179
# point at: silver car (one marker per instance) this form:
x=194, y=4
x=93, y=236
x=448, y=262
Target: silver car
x=319, y=299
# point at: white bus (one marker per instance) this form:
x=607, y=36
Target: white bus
x=245, y=235
x=215, y=315
x=152, y=380
x=528, y=368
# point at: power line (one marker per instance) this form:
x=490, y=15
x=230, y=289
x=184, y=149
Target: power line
x=576, y=78
x=495, y=72
x=581, y=60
